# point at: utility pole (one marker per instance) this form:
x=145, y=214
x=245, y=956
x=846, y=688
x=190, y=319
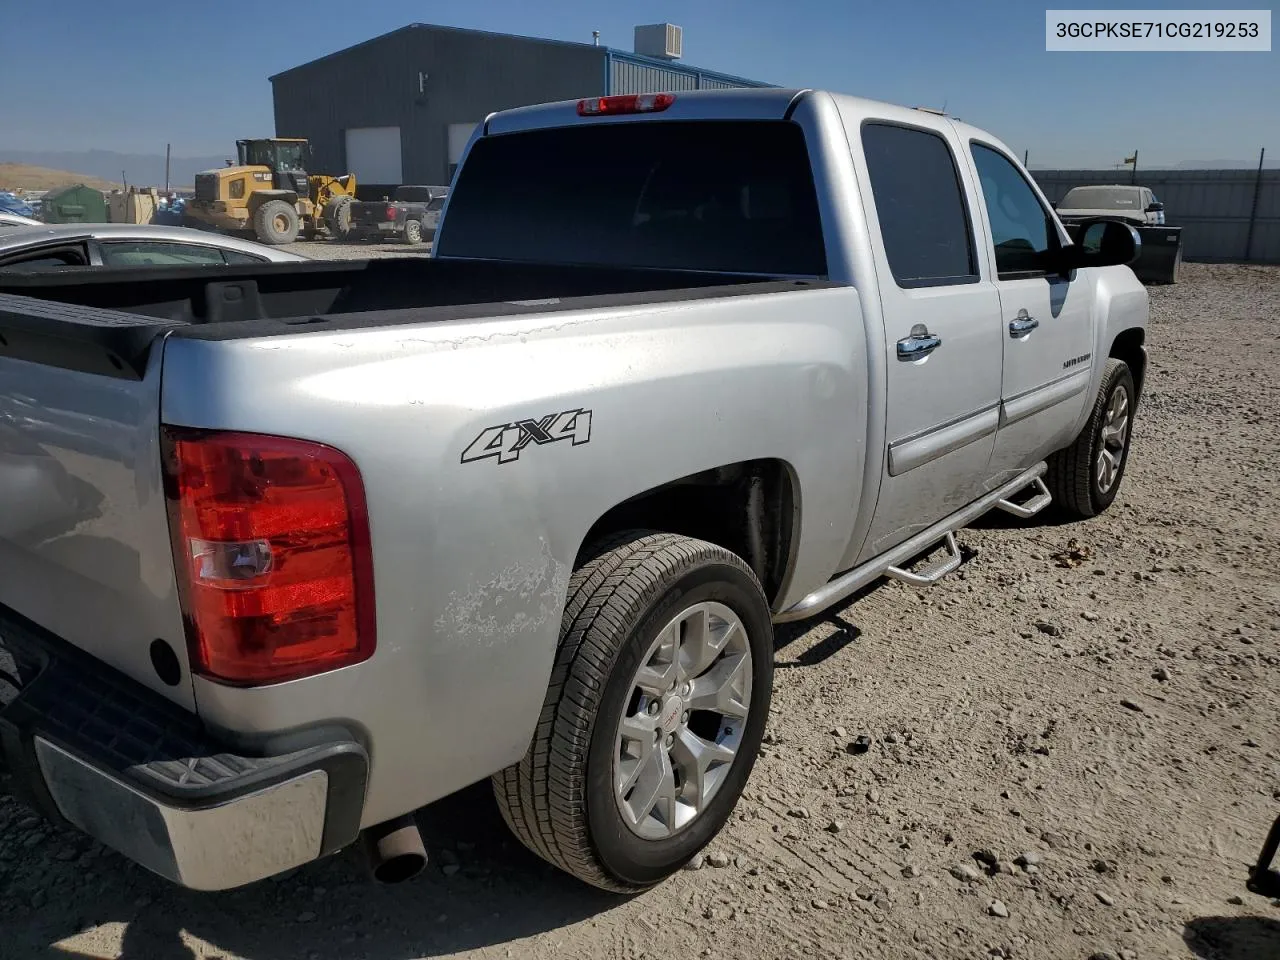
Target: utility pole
x=167, y=147
x=1253, y=212
x=1133, y=174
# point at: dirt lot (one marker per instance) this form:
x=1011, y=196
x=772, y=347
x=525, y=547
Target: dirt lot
x=1091, y=709
x=325, y=250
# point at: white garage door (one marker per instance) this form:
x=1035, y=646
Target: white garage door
x=459, y=134
x=373, y=154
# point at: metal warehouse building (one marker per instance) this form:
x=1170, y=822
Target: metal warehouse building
x=400, y=108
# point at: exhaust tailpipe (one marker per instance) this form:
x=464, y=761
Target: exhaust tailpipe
x=395, y=850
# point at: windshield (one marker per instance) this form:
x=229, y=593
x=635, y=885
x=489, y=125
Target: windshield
x=1100, y=198
x=287, y=157
x=725, y=196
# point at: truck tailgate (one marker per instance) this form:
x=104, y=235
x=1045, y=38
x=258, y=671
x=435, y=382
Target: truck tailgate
x=370, y=212
x=84, y=543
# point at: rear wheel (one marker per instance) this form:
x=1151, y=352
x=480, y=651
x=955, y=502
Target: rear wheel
x=654, y=715
x=1084, y=478
x=412, y=232
x=276, y=222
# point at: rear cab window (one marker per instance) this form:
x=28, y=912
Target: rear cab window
x=412, y=194
x=716, y=195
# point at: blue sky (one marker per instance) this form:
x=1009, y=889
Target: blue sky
x=129, y=76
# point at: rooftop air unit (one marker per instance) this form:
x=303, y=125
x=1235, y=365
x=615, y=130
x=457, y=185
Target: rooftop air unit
x=662, y=40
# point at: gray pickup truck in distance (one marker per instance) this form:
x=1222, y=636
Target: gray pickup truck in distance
x=289, y=551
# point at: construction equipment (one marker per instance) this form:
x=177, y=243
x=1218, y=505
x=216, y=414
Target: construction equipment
x=269, y=193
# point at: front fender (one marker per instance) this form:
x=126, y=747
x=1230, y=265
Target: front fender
x=1121, y=304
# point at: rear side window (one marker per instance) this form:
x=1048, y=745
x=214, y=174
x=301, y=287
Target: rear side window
x=46, y=259
x=921, y=208
x=725, y=196
x=235, y=256
x=144, y=253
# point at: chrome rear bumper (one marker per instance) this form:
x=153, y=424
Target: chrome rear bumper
x=94, y=749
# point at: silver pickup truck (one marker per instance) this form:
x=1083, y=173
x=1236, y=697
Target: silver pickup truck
x=288, y=551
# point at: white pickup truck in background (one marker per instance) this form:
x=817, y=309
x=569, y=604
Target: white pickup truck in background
x=288, y=551
x=1160, y=254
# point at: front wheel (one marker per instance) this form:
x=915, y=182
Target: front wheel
x=1084, y=478
x=276, y=222
x=654, y=715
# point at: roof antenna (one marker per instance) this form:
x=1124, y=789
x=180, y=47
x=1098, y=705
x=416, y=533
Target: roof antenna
x=944, y=106
x=595, y=38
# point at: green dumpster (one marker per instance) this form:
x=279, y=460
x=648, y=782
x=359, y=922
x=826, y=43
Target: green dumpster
x=77, y=204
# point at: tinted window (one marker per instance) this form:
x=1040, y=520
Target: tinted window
x=722, y=196
x=920, y=206
x=413, y=194
x=143, y=253
x=235, y=256
x=47, y=260
x=1020, y=227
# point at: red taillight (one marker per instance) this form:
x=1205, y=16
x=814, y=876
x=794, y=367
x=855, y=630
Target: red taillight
x=391, y=213
x=275, y=566
x=625, y=103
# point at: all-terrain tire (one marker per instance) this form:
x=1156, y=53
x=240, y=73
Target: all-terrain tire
x=337, y=217
x=1074, y=477
x=276, y=222
x=560, y=800
x=412, y=232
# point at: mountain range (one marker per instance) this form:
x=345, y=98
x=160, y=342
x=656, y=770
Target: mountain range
x=139, y=169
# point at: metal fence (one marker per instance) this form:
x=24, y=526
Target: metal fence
x=1225, y=214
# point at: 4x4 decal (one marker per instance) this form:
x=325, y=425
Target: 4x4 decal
x=506, y=440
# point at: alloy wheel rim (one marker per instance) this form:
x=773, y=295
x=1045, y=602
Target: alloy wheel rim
x=683, y=722
x=1114, y=440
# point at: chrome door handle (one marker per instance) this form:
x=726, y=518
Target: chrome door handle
x=918, y=345
x=1022, y=324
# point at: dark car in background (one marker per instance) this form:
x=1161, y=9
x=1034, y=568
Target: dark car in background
x=410, y=214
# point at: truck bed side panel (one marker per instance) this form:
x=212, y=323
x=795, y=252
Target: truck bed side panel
x=84, y=542
x=474, y=539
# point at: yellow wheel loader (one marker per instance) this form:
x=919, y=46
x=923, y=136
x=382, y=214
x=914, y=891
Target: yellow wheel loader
x=269, y=193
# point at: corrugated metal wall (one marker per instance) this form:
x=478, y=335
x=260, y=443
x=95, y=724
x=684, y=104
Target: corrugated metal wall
x=629, y=77
x=466, y=75
x=422, y=78
x=1214, y=207
x=631, y=73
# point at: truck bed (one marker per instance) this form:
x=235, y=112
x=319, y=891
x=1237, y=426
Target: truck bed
x=140, y=305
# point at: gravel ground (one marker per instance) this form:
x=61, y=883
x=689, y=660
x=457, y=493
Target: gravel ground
x=1073, y=750
x=326, y=250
